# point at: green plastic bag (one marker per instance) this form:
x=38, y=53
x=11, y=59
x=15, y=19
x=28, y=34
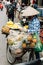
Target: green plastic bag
x=38, y=46
x=42, y=47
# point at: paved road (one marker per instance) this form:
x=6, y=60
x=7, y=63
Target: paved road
x=3, y=20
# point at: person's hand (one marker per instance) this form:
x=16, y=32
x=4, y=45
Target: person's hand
x=20, y=29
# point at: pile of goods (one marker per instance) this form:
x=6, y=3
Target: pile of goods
x=10, y=24
x=15, y=41
x=5, y=30
x=19, y=40
x=32, y=40
x=15, y=38
x=22, y=40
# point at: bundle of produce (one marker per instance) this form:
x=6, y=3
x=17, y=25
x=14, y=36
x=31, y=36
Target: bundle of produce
x=24, y=44
x=13, y=37
x=5, y=29
x=10, y=24
x=32, y=40
x=10, y=40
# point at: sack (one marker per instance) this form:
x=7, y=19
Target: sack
x=38, y=46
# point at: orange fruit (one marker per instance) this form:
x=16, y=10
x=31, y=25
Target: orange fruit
x=29, y=38
x=34, y=40
x=32, y=45
x=24, y=45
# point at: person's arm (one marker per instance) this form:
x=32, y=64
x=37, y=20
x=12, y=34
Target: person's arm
x=7, y=10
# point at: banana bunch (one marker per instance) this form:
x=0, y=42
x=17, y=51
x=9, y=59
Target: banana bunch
x=10, y=24
x=5, y=29
x=26, y=26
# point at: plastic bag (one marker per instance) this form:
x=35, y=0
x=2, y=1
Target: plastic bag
x=42, y=47
x=38, y=46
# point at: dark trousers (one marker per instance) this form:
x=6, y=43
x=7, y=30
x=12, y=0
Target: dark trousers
x=37, y=55
x=11, y=16
x=31, y=56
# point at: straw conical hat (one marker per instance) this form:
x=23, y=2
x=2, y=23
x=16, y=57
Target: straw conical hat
x=30, y=11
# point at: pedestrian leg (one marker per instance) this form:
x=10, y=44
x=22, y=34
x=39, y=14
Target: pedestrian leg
x=13, y=18
x=31, y=56
x=37, y=55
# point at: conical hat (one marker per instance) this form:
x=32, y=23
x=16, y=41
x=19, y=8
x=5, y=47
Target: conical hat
x=30, y=11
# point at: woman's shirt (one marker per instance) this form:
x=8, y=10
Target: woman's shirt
x=34, y=25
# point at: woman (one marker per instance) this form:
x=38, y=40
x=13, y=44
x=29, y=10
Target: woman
x=34, y=27
x=10, y=10
x=34, y=24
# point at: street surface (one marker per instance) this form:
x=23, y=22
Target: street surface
x=3, y=20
